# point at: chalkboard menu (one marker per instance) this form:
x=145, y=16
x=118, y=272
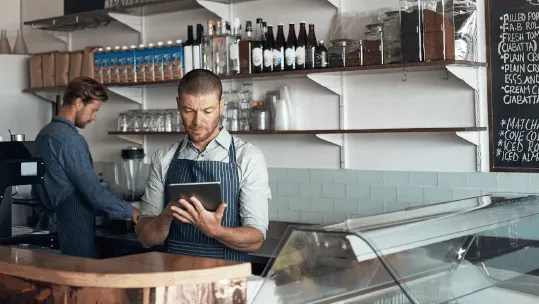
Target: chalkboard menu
x=513, y=30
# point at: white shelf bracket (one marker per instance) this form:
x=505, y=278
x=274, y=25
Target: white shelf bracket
x=137, y=139
x=220, y=9
x=331, y=82
x=465, y=73
x=132, y=93
x=134, y=22
x=336, y=139
x=62, y=36
x=336, y=3
x=470, y=136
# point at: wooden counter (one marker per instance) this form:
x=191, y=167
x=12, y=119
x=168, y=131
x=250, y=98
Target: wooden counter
x=36, y=277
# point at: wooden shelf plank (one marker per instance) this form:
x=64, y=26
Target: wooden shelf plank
x=380, y=68
x=354, y=131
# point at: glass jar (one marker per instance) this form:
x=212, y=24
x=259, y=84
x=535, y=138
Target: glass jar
x=260, y=117
x=392, y=37
x=373, y=44
x=411, y=28
x=169, y=121
x=178, y=125
x=122, y=122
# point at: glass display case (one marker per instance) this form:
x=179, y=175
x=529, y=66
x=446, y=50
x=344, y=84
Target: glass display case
x=478, y=250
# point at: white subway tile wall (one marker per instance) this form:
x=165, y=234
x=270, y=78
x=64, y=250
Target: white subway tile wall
x=325, y=196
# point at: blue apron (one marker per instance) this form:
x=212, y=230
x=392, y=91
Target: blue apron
x=186, y=239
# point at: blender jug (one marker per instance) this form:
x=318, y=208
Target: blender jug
x=132, y=161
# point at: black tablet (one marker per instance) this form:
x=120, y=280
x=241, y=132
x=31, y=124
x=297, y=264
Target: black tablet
x=209, y=194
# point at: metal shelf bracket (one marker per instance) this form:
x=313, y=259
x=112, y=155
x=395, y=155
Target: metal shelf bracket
x=330, y=81
x=465, y=73
x=336, y=139
x=134, y=22
x=220, y=9
x=62, y=36
x=472, y=137
x=134, y=94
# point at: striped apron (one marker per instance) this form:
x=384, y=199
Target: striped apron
x=186, y=239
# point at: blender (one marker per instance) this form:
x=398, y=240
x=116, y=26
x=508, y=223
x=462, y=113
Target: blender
x=132, y=162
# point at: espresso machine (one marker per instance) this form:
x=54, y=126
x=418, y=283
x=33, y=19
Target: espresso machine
x=20, y=165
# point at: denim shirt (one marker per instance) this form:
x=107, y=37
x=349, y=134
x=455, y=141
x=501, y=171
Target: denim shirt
x=70, y=172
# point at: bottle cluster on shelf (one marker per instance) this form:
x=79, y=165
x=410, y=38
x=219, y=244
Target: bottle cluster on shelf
x=419, y=31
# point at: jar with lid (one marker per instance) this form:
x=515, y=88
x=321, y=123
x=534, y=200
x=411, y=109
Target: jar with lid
x=392, y=38
x=374, y=44
x=344, y=52
x=411, y=27
x=260, y=117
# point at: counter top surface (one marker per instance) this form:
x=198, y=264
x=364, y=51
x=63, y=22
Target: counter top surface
x=266, y=250
x=141, y=270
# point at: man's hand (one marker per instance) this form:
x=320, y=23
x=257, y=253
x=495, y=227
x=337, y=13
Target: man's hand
x=207, y=222
x=134, y=216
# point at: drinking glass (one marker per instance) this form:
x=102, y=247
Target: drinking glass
x=122, y=122
x=169, y=120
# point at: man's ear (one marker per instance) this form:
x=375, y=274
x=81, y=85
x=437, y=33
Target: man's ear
x=79, y=103
x=178, y=102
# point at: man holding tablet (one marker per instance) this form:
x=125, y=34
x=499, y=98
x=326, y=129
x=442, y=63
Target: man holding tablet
x=206, y=154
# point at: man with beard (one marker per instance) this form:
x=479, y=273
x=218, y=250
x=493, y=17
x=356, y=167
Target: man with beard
x=207, y=153
x=71, y=191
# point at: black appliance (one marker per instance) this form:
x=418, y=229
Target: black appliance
x=19, y=165
x=80, y=6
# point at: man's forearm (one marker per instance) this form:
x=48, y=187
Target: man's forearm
x=240, y=238
x=152, y=231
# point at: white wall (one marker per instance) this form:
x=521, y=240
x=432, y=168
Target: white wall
x=372, y=100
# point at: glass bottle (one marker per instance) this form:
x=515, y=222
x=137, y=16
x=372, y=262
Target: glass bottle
x=278, y=51
x=245, y=47
x=268, y=50
x=321, y=57
x=208, y=48
x=311, y=48
x=300, y=48
x=290, y=53
x=257, y=53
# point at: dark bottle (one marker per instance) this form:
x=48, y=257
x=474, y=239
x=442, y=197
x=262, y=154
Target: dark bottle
x=197, y=48
x=268, y=50
x=245, y=49
x=310, y=48
x=257, y=53
x=278, y=51
x=188, y=50
x=321, y=57
x=265, y=26
x=300, y=47
x=290, y=53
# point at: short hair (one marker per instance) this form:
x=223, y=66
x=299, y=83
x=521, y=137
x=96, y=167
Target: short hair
x=200, y=82
x=86, y=89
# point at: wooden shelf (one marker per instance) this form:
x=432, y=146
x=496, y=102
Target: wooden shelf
x=355, y=131
x=355, y=69
x=103, y=17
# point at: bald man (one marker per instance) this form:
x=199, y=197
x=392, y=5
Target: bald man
x=207, y=153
